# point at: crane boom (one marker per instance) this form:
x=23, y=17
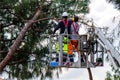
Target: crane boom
x=114, y=56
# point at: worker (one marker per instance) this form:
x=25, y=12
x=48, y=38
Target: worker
x=74, y=36
x=64, y=24
x=65, y=49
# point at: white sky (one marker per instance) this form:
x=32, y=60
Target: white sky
x=102, y=13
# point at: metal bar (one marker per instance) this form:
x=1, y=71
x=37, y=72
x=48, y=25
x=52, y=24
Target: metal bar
x=79, y=60
x=102, y=54
x=92, y=57
x=87, y=62
x=109, y=47
x=50, y=50
x=61, y=50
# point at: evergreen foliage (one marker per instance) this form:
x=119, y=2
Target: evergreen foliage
x=13, y=16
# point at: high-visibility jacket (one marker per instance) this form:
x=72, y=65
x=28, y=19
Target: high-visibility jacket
x=65, y=45
x=65, y=48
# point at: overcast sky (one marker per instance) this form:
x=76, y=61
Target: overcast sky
x=102, y=13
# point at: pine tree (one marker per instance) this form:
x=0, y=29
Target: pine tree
x=22, y=22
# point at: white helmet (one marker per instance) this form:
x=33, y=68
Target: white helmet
x=65, y=14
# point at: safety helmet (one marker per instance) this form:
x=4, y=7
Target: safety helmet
x=65, y=14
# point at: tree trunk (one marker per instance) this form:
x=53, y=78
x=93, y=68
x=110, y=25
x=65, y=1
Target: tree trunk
x=90, y=74
x=16, y=43
x=89, y=70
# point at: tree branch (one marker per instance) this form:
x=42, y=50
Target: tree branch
x=19, y=61
x=38, y=5
x=16, y=43
x=2, y=52
x=43, y=19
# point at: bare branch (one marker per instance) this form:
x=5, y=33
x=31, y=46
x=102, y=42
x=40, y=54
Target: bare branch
x=16, y=43
x=18, y=62
x=38, y=5
x=43, y=19
x=2, y=52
